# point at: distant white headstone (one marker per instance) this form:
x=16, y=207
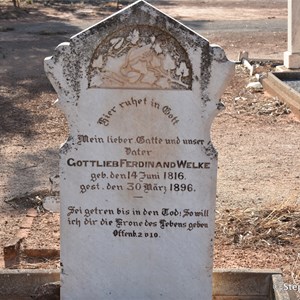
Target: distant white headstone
x=138, y=171
x=292, y=55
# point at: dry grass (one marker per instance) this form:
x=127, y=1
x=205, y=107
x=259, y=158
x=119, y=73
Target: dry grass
x=251, y=227
x=271, y=229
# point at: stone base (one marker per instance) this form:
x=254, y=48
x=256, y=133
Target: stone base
x=283, y=68
x=275, y=85
x=227, y=284
x=292, y=60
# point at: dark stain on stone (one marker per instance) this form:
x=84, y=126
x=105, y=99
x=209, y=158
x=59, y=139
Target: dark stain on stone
x=211, y=151
x=67, y=146
x=220, y=106
x=205, y=72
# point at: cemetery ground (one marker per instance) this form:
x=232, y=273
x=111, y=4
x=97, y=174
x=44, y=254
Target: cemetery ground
x=257, y=136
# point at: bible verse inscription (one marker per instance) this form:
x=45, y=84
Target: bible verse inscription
x=145, y=224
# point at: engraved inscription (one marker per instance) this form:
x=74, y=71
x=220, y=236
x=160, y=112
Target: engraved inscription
x=140, y=57
x=139, y=171
x=139, y=223
x=105, y=118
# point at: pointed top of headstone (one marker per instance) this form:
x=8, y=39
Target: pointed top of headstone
x=141, y=12
x=138, y=47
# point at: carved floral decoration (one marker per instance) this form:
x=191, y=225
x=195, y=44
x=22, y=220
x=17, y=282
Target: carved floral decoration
x=133, y=58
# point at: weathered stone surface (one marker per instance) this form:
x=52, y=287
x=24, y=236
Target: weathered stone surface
x=11, y=251
x=47, y=291
x=41, y=253
x=23, y=283
x=52, y=203
x=138, y=171
x=291, y=60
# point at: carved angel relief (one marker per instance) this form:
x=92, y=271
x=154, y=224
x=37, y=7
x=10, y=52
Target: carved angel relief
x=142, y=57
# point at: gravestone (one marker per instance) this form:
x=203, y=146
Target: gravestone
x=292, y=55
x=138, y=171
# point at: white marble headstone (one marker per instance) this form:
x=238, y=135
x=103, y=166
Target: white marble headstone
x=138, y=171
x=292, y=55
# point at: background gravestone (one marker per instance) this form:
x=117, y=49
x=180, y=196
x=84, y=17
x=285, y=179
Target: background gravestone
x=292, y=55
x=138, y=171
